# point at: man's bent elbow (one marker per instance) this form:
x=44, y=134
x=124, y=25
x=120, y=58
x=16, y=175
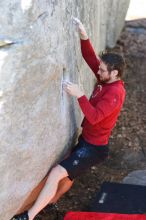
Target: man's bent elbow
x=94, y=121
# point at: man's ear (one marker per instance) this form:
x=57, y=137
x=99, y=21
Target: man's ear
x=115, y=73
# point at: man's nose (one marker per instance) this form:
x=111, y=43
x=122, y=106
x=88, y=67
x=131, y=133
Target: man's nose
x=98, y=72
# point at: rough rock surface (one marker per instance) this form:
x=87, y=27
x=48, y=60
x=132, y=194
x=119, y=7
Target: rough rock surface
x=39, y=48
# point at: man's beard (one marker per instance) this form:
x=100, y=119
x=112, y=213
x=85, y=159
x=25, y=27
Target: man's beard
x=105, y=80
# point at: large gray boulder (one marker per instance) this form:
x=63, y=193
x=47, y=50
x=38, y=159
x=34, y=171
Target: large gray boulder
x=39, y=48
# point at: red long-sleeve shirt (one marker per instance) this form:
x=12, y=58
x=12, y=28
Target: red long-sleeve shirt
x=103, y=108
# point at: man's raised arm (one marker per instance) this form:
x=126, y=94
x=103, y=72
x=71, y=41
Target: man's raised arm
x=86, y=48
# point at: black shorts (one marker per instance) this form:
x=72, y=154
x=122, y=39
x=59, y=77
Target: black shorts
x=84, y=156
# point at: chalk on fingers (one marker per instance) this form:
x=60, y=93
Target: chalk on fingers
x=75, y=20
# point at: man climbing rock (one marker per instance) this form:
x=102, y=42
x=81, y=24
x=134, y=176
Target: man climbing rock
x=101, y=112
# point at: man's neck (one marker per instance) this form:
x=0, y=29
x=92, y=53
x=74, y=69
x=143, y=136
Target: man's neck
x=113, y=80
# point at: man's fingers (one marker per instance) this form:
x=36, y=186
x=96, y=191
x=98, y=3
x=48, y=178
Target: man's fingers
x=67, y=83
x=67, y=87
x=76, y=21
x=68, y=90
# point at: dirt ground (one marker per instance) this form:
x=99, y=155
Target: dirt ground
x=128, y=140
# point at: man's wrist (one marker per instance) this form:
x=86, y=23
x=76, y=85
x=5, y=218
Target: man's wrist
x=80, y=95
x=83, y=37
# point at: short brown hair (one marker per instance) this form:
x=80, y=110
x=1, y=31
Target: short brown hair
x=114, y=61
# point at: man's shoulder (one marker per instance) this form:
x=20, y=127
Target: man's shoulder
x=115, y=89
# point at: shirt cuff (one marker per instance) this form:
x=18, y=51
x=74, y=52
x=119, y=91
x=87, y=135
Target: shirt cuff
x=84, y=41
x=82, y=99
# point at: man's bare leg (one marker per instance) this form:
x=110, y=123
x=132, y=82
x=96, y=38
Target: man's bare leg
x=64, y=185
x=48, y=191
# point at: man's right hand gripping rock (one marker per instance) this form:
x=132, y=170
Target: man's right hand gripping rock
x=81, y=28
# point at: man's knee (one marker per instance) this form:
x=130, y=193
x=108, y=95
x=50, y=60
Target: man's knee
x=59, y=172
